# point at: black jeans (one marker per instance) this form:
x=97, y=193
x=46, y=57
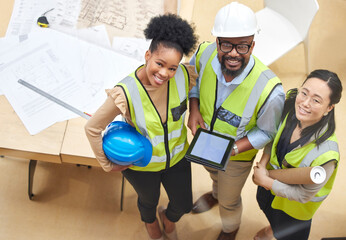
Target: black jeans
x=177, y=183
x=284, y=226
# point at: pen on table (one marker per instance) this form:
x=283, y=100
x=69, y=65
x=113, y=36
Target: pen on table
x=87, y=114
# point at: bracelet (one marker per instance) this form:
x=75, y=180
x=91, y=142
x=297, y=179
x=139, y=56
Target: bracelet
x=235, y=148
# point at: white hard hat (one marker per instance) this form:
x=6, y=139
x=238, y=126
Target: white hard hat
x=234, y=20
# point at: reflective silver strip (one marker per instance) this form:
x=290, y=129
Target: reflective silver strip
x=160, y=139
x=275, y=167
x=319, y=199
x=315, y=153
x=157, y=140
x=158, y=159
x=254, y=96
x=180, y=82
x=318, y=151
x=208, y=51
x=130, y=82
x=207, y=126
x=324, y=147
x=175, y=134
x=204, y=59
x=252, y=101
x=175, y=151
x=312, y=155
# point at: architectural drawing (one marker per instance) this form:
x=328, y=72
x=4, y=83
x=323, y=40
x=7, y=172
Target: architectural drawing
x=126, y=18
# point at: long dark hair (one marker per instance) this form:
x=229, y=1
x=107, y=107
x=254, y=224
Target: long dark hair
x=335, y=86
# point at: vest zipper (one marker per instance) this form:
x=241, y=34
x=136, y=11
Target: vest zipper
x=165, y=130
x=164, y=125
x=213, y=119
x=168, y=155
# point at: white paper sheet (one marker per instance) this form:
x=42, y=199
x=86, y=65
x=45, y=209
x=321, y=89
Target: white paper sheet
x=123, y=18
x=132, y=47
x=6, y=45
x=72, y=70
x=26, y=12
x=62, y=17
x=39, y=66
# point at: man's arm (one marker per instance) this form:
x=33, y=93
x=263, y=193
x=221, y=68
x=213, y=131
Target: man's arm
x=268, y=119
x=195, y=117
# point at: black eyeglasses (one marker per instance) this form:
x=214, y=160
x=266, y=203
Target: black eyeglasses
x=227, y=47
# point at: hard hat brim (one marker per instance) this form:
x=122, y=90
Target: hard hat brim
x=148, y=152
x=232, y=34
x=123, y=145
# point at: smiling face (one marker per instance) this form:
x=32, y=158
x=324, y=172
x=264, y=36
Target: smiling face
x=312, y=102
x=233, y=63
x=161, y=65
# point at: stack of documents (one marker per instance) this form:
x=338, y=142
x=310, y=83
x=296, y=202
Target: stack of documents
x=72, y=70
x=72, y=64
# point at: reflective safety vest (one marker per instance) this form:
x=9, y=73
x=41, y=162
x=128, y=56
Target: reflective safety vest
x=169, y=139
x=238, y=113
x=308, y=155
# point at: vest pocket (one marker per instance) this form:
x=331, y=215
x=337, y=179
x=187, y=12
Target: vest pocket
x=178, y=111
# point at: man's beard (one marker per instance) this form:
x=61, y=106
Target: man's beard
x=232, y=73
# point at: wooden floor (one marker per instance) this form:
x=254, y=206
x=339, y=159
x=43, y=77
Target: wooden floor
x=73, y=203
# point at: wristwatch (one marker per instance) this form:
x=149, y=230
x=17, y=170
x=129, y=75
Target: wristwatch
x=235, y=148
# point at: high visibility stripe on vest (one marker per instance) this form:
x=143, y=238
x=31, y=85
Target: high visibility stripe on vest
x=205, y=57
x=254, y=96
x=139, y=110
x=175, y=151
x=275, y=167
x=252, y=101
x=319, y=199
x=180, y=80
x=324, y=147
x=263, y=75
x=314, y=153
x=310, y=155
x=175, y=148
x=138, y=107
x=317, y=151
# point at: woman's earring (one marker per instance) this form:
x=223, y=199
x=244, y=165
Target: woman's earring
x=325, y=114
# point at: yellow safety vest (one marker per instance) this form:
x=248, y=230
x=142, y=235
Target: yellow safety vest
x=169, y=139
x=308, y=155
x=238, y=113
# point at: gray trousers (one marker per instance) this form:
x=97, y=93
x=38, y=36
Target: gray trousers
x=227, y=188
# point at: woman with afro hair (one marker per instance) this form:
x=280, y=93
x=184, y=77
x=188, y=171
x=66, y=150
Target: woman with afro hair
x=153, y=99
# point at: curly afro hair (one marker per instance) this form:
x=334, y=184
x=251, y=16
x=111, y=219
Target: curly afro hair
x=171, y=31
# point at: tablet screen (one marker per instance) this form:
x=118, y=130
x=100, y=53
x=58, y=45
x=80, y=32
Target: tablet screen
x=210, y=149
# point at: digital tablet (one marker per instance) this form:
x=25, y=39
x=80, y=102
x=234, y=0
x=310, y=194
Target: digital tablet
x=210, y=149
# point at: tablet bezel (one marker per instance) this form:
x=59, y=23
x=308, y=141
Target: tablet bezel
x=219, y=166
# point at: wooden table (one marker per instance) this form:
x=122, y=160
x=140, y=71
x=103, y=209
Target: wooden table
x=63, y=142
x=17, y=142
x=75, y=147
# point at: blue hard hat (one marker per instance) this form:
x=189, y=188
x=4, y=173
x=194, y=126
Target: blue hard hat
x=123, y=145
